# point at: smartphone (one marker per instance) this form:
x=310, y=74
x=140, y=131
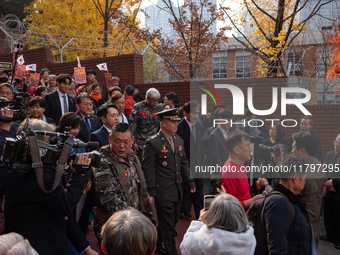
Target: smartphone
x=214, y=184
x=208, y=199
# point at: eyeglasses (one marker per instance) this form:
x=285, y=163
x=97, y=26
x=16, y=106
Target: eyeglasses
x=6, y=93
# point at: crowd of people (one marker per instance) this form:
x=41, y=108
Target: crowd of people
x=149, y=150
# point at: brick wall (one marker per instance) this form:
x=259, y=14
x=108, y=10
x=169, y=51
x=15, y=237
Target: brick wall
x=129, y=68
x=326, y=125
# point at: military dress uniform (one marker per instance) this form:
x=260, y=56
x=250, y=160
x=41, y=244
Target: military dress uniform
x=144, y=123
x=119, y=184
x=165, y=168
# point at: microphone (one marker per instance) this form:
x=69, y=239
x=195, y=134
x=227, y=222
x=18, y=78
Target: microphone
x=90, y=145
x=264, y=193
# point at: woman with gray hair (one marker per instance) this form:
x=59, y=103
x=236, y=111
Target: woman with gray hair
x=224, y=229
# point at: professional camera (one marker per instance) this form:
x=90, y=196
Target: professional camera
x=266, y=152
x=17, y=152
x=16, y=105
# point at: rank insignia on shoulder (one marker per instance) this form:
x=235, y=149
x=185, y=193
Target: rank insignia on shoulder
x=155, y=113
x=180, y=148
x=164, y=163
x=134, y=111
x=126, y=174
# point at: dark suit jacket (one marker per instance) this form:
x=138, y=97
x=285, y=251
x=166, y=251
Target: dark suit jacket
x=95, y=125
x=218, y=147
x=163, y=170
x=101, y=136
x=193, y=150
x=330, y=160
x=53, y=108
x=40, y=216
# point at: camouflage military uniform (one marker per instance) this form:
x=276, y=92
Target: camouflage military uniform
x=144, y=123
x=119, y=184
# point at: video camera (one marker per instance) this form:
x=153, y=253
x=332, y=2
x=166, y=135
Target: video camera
x=266, y=152
x=16, y=105
x=17, y=152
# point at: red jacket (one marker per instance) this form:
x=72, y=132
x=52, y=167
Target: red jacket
x=128, y=105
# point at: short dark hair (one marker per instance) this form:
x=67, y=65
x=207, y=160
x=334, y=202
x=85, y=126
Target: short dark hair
x=129, y=89
x=121, y=128
x=81, y=97
x=38, y=90
x=280, y=131
x=114, y=88
x=102, y=110
x=307, y=141
x=8, y=86
x=292, y=162
x=191, y=106
x=225, y=113
x=44, y=70
x=307, y=118
x=91, y=72
x=69, y=119
x=115, y=98
x=37, y=100
x=235, y=139
x=62, y=78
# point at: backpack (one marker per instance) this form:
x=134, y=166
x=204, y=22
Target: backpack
x=255, y=217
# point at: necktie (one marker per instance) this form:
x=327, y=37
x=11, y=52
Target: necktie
x=193, y=130
x=65, y=104
x=172, y=144
x=87, y=125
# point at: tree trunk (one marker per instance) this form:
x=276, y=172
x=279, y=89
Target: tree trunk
x=106, y=23
x=273, y=65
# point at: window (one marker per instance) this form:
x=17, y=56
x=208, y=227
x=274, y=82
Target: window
x=219, y=67
x=294, y=62
x=243, y=66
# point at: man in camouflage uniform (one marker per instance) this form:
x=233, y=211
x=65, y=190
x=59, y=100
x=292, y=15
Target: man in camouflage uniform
x=119, y=182
x=144, y=122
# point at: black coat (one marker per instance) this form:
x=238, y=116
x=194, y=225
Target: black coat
x=40, y=216
x=163, y=170
x=95, y=125
x=218, y=147
x=53, y=108
x=283, y=238
x=193, y=150
x=101, y=136
x=330, y=160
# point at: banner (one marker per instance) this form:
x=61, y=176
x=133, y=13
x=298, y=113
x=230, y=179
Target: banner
x=35, y=78
x=21, y=69
x=80, y=75
x=109, y=80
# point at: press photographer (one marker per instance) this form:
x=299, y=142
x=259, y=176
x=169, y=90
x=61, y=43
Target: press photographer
x=37, y=215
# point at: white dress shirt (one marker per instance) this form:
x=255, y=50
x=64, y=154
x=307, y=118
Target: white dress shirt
x=224, y=132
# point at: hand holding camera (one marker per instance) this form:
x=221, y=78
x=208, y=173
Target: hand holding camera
x=8, y=114
x=82, y=164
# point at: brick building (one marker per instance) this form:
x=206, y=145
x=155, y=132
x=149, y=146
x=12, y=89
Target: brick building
x=306, y=62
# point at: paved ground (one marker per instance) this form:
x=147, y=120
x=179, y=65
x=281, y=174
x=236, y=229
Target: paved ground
x=325, y=248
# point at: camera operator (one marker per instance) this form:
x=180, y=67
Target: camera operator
x=4, y=132
x=7, y=92
x=40, y=216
